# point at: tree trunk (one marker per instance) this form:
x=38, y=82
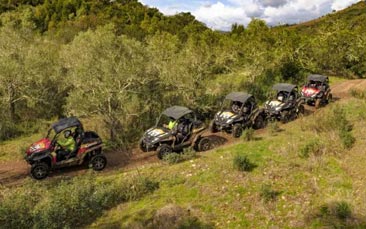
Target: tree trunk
x=11, y=92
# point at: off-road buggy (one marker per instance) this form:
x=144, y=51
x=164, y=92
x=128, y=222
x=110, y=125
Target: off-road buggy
x=186, y=131
x=285, y=105
x=238, y=111
x=317, y=91
x=42, y=155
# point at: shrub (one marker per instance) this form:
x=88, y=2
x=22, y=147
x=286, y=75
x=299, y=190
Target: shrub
x=267, y=193
x=336, y=210
x=335, y=120
x=70, y=203
x=174, y=158
x=358, y=94
x=347, y=139
x=313, y=147
x=248, y=134
x=242, y=163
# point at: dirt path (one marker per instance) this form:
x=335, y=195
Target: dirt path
x=14, y=173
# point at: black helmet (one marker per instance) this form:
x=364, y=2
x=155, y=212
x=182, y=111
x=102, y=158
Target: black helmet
x=67, y=133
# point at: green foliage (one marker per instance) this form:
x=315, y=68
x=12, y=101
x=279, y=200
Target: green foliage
x=174, y=158
x=313, y=147
x=242, y=163
x=335, y=120
x=358, y=94
x=267, y=193
x=248, y=134
x=335, y=214
x=74, y=203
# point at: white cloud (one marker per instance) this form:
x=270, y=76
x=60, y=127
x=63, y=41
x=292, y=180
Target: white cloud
x=221, y=14
x=341, y=4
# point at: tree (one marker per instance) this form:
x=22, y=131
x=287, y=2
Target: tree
x=105, y=72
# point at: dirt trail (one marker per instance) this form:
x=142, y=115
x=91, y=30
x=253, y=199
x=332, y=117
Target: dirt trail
x=342, y=90
x=14, y=172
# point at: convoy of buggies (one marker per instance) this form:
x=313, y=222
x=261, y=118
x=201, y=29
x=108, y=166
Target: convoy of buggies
x=177, y=128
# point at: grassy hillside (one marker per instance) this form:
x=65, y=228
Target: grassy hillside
x=308, y=173
x=291, y=185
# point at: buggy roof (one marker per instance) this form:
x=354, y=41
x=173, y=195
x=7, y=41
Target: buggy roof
x=284, y=87
x=319, y=78
x=65, y=123
x=238, y=96
x=176, y=112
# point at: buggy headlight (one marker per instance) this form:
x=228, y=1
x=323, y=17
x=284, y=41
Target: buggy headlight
x=230, y=120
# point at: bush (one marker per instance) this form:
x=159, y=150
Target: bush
x=242, y=163
x=335, y=120
x=336, y=210
x=358, y=94
x=313, y=147
x=69, y=204
x=267, y=193
x=9, y=130
x=248, y=134
x=347, y=139
x=174, y=158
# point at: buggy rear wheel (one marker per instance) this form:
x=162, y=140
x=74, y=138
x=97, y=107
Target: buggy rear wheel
x=40, y=170
x=330, y=98
x=164, y=150
x=301, y=111
x=98, y=162
x=317, y=103
x=259, y=122
x=204, y=144
x=285, y=116
x=237, y=130
x=213, y=127
x=142, y=145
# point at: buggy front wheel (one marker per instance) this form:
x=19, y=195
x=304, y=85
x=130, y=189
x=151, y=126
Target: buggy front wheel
x=40, y=170
x=98, y=162
x=164, y=150
x=204, y=144
x=237, y=130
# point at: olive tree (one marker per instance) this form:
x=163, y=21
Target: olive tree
x=106, y=72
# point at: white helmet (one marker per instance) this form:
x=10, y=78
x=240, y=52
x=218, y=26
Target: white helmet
x=280, y=98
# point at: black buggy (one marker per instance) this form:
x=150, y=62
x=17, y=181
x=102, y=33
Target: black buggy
x=285, y=104
x=42, y=155
x=238, y=111
x=176, y=128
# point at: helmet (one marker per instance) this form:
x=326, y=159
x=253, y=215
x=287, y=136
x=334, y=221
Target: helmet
x=67, y=133
x=280, y=98
x=245, y=109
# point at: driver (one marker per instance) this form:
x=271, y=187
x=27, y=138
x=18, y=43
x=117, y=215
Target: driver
x=281, y=97
x=68, y=145
x=172, y=123
x=236, y=107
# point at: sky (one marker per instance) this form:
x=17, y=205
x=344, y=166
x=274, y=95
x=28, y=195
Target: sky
x=221, y=14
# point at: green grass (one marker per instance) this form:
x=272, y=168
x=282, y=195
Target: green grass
x=219, y=194
x=285, y=190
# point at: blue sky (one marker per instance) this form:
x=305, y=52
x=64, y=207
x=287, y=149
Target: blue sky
x=221, y=14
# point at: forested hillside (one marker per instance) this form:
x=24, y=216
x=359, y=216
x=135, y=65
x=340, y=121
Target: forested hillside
x=124, y=62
